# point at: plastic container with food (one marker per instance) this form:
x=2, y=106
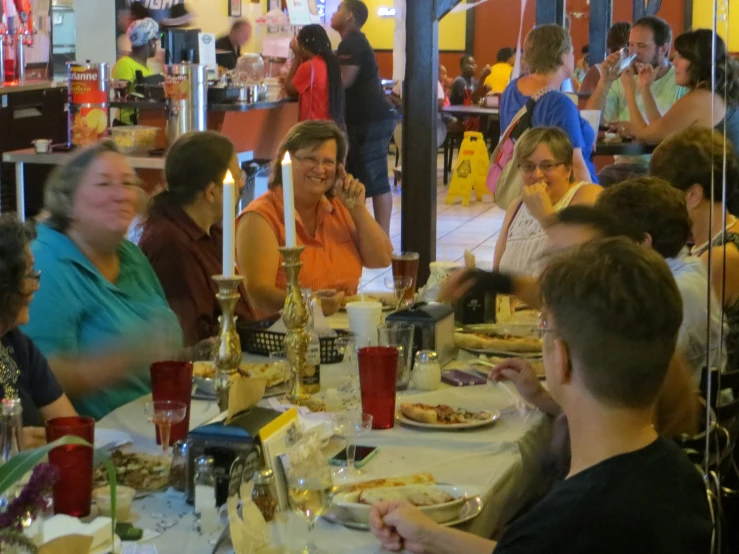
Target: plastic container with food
x=135, y=139
x=123, y=500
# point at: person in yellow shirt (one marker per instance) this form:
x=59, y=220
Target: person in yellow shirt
x=144, y=37
x=500, y=73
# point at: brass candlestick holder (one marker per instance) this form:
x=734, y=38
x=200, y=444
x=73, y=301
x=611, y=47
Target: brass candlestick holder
x=295, y=315
x=227, y=349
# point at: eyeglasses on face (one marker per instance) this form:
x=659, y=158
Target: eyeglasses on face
x=311, y=162
x=33, y=275
x=546, y=167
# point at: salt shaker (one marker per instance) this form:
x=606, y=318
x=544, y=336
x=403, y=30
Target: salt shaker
x=264, y=494
x=205, y=484
x=427, y=371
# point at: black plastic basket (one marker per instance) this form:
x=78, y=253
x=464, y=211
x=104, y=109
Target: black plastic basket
x=256, y=339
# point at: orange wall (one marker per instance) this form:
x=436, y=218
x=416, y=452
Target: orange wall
x=496, y=26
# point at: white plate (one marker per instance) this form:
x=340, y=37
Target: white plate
x=469, y=510
x=494, y=416
x=505, y=354
x=440, y=513
x=111, y=438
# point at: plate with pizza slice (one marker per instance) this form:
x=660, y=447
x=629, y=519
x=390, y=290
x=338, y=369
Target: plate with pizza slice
x=443, y=417
x=501, y=345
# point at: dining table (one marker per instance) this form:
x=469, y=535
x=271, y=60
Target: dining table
x=624, y=148
x=501, y=463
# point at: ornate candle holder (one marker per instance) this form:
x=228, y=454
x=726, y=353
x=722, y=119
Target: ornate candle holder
x=295, y=315
x=227, y=349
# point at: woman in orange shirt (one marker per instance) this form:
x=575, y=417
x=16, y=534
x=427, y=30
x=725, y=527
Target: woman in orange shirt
x=332, y=222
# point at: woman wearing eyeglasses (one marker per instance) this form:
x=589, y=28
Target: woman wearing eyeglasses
x=544, y=159
x=182, y=236
x=24, y=371
x=332, y=222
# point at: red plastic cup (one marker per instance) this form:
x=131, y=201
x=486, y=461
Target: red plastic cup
x=173, y=381
x=378, y=370
x=73, y=491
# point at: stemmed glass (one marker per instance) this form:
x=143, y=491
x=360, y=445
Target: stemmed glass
x=163, y=414
x=399, y=285
x=351, y=425
x=310, y=491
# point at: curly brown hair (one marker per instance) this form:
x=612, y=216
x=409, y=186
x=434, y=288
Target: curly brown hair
x=649, y=206
x=15, y=238
x=701, y=153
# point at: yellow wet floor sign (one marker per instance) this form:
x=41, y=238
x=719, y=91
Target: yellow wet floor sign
x=471, y=171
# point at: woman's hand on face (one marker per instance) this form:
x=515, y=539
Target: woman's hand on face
x=627, y=79
x=33, y=437
x=295, y=47
x=537, y=201
x=647, y=75
x=351, y=191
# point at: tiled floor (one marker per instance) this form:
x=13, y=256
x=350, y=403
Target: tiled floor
x=458, y=228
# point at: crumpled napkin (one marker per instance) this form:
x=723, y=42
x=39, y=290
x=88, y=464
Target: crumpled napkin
x=246, y=523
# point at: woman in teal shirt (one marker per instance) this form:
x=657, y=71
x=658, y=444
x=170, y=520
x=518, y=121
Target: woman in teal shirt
x=101, y=317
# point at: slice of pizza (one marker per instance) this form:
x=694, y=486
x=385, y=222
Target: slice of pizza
x=404, y=481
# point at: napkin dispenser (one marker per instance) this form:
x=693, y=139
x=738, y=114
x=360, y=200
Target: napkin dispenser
x=434, y=328
x=225, y=442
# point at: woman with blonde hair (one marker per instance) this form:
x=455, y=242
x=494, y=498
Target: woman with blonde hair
x=544, y=156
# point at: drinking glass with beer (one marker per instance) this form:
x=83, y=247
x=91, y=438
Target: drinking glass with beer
x=405, y=264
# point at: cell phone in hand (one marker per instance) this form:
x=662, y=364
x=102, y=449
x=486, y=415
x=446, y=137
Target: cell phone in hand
x=362, y=455
x=458, y=378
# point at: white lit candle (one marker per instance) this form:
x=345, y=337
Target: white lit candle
x=288, y=200
x=229, y=224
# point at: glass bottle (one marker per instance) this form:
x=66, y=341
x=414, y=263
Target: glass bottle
x=312, y=369
x=205, y=484
x=11, y=428
x=264, y=494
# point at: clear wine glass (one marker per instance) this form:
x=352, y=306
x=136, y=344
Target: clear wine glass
x=399, y=285
x=311, y=490
x=350, y=426
x=163, y=414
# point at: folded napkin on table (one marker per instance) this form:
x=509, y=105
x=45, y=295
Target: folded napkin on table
x=244, y=394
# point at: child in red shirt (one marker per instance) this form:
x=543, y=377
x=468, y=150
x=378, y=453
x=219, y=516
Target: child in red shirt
x=315, y=77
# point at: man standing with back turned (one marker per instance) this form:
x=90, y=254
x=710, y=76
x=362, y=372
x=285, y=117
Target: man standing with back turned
x=370, y=120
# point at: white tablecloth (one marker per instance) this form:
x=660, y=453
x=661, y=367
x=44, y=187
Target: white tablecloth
x=501, y=462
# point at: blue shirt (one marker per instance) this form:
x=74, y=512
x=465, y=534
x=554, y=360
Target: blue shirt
x=36, y=385
x=554, y=109
x=77, y=312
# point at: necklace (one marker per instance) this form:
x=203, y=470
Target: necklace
x=717, y=235
x=9, y=373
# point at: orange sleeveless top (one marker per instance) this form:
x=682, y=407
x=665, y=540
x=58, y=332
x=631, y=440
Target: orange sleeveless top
x=331, y=259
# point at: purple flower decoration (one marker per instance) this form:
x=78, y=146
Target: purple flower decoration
x=33, y=498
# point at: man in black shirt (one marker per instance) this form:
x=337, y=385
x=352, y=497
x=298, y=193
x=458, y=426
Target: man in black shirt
x=466, y=87
x=607, y=345
x=370, y=120
x=228, y=47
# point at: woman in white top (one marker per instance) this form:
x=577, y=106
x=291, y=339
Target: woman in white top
x=544, y=158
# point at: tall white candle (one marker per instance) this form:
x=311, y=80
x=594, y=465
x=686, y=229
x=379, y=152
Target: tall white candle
x=229, y=225
x=288, y=200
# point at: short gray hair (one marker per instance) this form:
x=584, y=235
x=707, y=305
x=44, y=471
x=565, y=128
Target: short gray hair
x=62, y=184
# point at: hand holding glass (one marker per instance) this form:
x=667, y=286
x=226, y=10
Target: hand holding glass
x=164, y=414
